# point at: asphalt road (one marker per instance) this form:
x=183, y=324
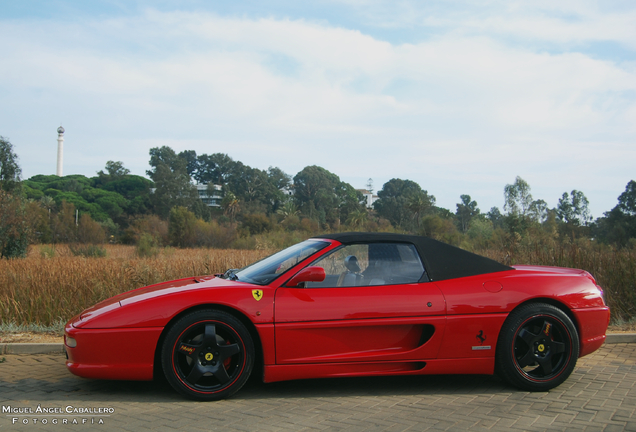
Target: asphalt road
x=599, y=396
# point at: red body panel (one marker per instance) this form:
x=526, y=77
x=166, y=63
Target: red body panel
x=333, y=370
x=449, y=326
x=126, y=354
x=592, y=324
x=353, y=340
x=336, y=324
x=473, y=336
x=156, y=305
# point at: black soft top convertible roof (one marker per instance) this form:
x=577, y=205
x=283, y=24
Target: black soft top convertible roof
x=442, y=261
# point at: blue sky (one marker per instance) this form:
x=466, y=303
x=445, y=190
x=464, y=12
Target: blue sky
x=459, y=96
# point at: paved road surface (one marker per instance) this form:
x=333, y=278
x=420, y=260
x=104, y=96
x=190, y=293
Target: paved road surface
x=599, y=396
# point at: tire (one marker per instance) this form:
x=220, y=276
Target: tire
x=538, y=347
x=207, y=355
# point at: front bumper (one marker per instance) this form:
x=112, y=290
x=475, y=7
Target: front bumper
x=117, y=354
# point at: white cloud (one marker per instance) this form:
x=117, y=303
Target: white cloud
x=463, y=106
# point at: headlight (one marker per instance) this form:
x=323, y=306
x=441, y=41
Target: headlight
x=70, y=342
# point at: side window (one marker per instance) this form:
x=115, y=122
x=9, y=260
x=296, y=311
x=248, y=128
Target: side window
x=343, y=266
x=370, y=264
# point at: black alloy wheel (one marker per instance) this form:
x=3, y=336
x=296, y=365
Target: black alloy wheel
x=208, y=355
x=538, y=347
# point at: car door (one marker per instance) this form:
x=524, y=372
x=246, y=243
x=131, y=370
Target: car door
x=371, y=306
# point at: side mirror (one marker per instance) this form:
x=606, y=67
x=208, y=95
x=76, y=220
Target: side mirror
x=308, y=274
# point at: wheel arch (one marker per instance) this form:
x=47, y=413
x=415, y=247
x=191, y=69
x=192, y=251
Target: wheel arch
x=547, y=300
x=564, y=308
x=258, y=348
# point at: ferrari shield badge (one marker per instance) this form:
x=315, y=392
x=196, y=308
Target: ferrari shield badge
x=258, y=294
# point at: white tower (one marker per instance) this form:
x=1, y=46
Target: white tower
x=60, y=150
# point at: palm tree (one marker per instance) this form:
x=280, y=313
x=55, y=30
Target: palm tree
x=418, y=206
x=357, y=218
x=288, y=209
x=231, y=206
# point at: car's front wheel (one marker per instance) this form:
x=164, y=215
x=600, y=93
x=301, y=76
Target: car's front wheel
x=207, y=355
x=538, y=347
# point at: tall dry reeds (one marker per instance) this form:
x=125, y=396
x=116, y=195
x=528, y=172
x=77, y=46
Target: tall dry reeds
x=52, y=285
x=46, y=290
x=614, y=269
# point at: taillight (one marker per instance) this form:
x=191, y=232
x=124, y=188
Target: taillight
x=600, y=290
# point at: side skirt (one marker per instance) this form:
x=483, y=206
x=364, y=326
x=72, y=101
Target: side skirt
x=482, y=365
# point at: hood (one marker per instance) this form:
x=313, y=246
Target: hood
x=156, y=290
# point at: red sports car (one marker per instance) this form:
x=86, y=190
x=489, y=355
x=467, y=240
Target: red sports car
x=348, y=304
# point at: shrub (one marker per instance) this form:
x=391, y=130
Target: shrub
x=256, y=223
x=47, y=251
x=14, y=229
x=181, y=227
x=213, y=235
x=147, y=246
x=89, y=231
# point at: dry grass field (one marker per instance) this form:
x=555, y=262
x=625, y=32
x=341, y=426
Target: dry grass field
x=52, y=285
x=49, y=290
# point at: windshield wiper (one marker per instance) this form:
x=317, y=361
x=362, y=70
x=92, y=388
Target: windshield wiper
x=230, y=274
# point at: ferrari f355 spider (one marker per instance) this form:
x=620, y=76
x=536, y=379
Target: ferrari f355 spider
x=348, y=304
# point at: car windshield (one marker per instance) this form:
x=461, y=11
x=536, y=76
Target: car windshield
x=266, y=270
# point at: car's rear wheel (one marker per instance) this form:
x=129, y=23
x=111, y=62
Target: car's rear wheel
x=207, y=355
x=538, y=347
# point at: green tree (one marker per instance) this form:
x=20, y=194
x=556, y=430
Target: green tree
x=281, y=184
x=538, y=211
x=522, y=211
x=323, y=197
x=214, y=168
x=14, y=228
x=279, y=178
x=9, y=169
x=172, y=182
x=517, y=197
x=315, y=191
x=130, y=186
x=573, y=209
x=618, y=225
x=190, y=158
x=349, y=201
x=495, y=216
x=627, y=200
x=403, y=202
x=253, y=188
x=205, y=172
x=113, y=170
x=466, y=211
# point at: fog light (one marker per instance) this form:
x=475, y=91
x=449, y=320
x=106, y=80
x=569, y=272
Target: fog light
x=70, y=342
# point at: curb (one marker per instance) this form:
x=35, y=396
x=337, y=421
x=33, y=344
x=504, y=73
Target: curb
x=49, y=348
x=614, y=338
x=31, y=348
